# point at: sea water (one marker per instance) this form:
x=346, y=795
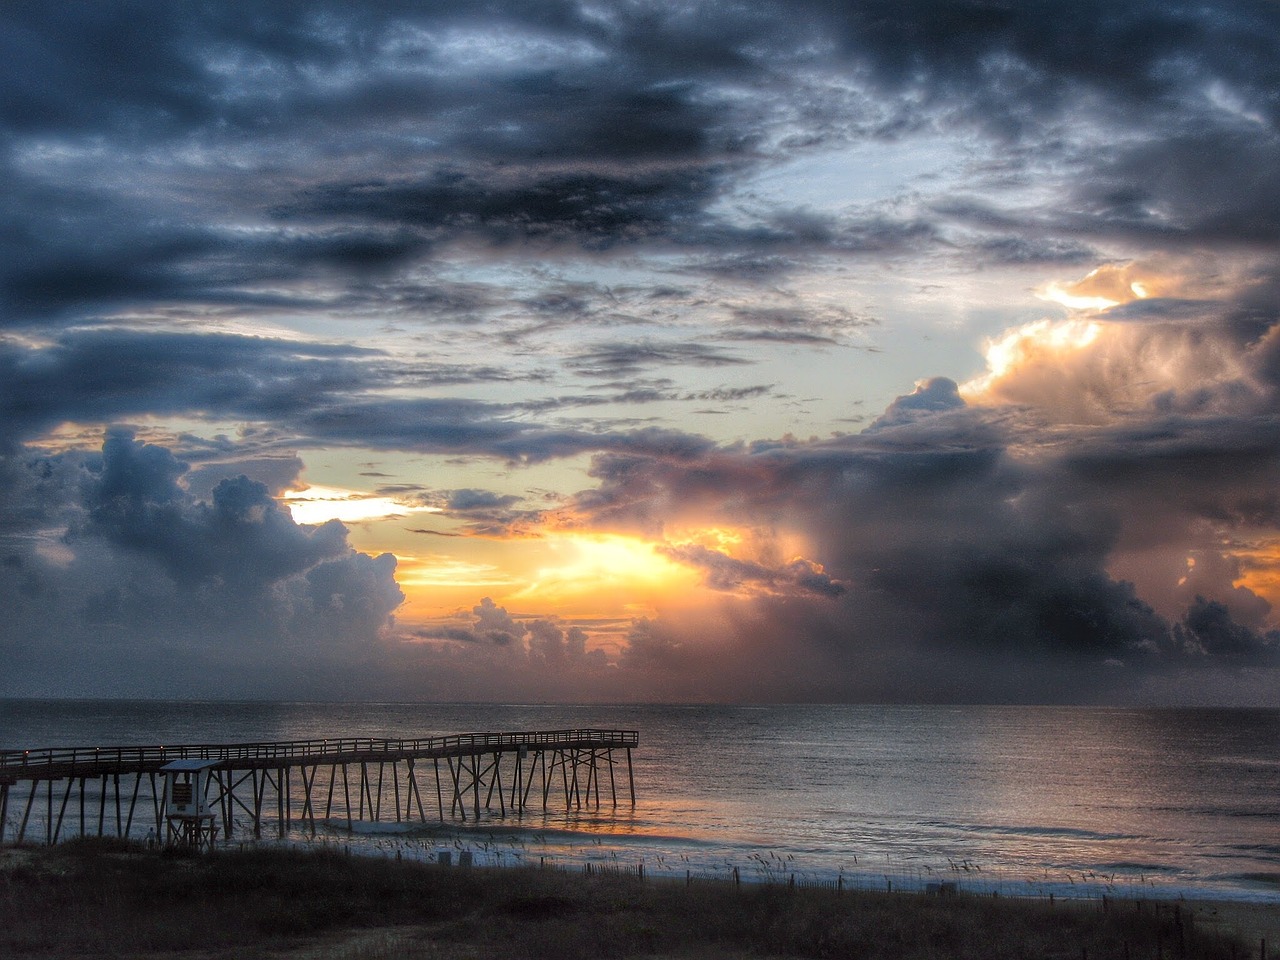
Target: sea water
x=1038, y=800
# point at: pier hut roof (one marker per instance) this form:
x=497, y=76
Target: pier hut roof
x=192, y=764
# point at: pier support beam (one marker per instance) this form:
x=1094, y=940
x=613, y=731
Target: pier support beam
x=492, y=775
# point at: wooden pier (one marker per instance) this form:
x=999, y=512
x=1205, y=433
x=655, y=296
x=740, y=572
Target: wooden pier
x=118, y=791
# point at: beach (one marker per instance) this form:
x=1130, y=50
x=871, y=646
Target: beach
x=109, y=898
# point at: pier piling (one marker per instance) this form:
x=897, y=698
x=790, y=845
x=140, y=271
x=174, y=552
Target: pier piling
x=250, y=779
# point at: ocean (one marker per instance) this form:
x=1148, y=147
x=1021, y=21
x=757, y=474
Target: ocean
x=1022, y=800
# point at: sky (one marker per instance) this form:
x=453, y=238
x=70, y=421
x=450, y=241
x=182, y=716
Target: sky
x=890, y=351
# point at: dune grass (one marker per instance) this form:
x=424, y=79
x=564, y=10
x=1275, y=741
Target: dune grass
x=107, y=899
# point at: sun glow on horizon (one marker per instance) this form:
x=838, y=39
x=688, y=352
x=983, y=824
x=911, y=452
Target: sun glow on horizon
x=613, y=567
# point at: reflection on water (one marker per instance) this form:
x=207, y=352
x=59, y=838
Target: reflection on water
x=1063, y=798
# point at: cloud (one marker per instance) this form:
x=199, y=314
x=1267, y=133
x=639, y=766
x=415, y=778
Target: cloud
x=497, y=231
x=497, y=650
x=105, y=375
x=1209, y=630
x=724, y=572
x=470, y=499
x=316, y=394
x=935, y=395
x=624, y=359
x=977, y=563
x=128, y=584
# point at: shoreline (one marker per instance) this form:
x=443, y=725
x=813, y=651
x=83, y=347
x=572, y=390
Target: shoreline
x=499, y=845
x=86, y=898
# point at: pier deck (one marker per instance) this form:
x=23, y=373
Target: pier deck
x=118, y=787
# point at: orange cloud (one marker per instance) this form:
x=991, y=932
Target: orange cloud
x=1090, y=371
x=1260, y=571
x=1114, y=284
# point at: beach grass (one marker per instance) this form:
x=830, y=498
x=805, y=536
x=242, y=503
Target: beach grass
x=112, y=899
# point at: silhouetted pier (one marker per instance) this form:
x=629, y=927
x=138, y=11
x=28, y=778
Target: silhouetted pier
x=116, y=791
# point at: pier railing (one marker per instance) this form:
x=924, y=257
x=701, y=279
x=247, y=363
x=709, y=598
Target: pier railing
x=71, y=761
x=314, y=783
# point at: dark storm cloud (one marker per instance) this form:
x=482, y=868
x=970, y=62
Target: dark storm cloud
x=965, y=571
x=475, y=428
x=591, y=128
x=242, y=537
x=168, y=164
x=148, y=251
x=1209, y=630
x=314, y=394
x=723, y=572
x=591, y=209
x=105, y=375
x=145, y=584
x=1215, y=185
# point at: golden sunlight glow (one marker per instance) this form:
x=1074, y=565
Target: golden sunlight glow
x=436, y=570
x=1113, y=284
x=1260, y=570
x=713, y=538
x=318, y=504
x=1057, y=293
x=1031, y=343
x=584, y=565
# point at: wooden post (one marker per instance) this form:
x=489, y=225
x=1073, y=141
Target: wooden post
x=475, y=783
x=279, y=801
x=31, y=798
x=631, y=778
x=133, y=802
x=415, y=793
x=395, y=782
x=227, y=798
x=439, y=793
x=528, y=786
x=580, y=765
x=613, y=787
x=366, y=789
x=564, y=777
x=259, y=791
x=102, y=807
x=495, y=783
x=63, y=809
x=308, y=811
x=517, y=781
x=346, y=792
x=457, y=805
x=158, y=802
x=333, y=775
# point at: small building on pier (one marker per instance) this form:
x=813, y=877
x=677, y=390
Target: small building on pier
x=191, y=822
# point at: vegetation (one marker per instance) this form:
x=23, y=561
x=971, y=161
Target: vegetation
x=110, y=899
